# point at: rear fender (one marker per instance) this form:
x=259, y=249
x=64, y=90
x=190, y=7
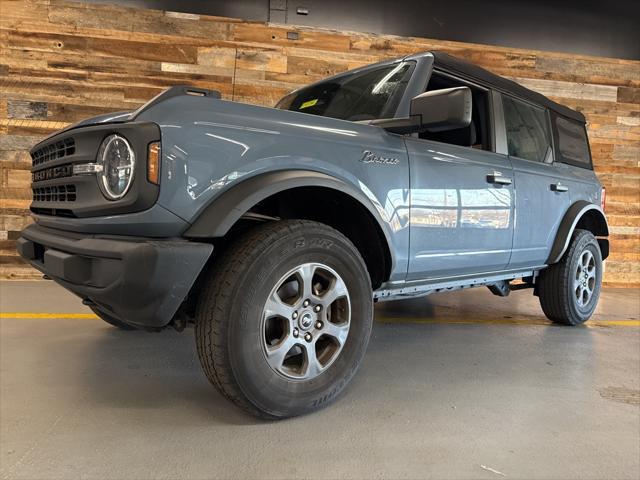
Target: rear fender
x=581, y=212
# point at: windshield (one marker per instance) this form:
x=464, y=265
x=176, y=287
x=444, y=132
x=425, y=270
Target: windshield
x=365, y=95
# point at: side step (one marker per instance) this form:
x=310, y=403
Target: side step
x=400, y=290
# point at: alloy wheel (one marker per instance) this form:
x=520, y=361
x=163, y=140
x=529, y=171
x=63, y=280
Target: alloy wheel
x=585, y=278
x=305, y=321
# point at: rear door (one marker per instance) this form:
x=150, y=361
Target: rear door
x=541, y=186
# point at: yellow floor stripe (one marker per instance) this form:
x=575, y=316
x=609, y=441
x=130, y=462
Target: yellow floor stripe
x=379, y=319
x=464, y=321
x=500, y=321
x=88, y=316
x=621, y=323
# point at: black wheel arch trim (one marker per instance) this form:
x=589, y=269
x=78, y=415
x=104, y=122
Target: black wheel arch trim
x=568, y=225
x=224, y=211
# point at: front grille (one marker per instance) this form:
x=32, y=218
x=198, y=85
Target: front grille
x=58, y=212
x=52, y=173
x=55, y=193
x=54, y=151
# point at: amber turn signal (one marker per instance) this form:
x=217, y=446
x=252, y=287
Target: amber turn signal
x=153, y=163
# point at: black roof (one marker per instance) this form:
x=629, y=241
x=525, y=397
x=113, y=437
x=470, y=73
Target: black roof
x=474, y=72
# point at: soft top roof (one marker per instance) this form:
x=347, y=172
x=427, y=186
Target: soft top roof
x=456, y=65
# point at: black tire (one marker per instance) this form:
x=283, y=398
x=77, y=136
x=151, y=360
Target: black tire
x=229, y=316
x=112, y=320
x=559, y=298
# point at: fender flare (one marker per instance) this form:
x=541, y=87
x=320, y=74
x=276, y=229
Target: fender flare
x=223, y=212
x=568, y=225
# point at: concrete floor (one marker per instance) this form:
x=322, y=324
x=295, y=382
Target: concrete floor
x=457, y=385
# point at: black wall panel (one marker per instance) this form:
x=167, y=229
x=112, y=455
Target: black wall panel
x=246, y=9
x=590, y=27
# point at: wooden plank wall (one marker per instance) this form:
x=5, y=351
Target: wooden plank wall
x=62, y=61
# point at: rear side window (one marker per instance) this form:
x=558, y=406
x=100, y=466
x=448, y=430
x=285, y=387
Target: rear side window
x=572, y=143
x=527, y=130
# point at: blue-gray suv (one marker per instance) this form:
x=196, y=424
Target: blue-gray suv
x=274, y=230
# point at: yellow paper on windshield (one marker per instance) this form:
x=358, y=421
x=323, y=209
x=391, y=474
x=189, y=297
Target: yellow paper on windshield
x=308, y=103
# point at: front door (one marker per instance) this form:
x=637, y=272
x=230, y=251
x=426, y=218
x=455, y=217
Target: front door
x=462, y=209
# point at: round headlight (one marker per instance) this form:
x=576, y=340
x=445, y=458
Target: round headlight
x=118, y=161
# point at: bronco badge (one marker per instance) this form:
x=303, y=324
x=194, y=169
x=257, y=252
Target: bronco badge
x=370, y=157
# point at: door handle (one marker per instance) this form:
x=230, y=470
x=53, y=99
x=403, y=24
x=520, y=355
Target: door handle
x=557, y=187
x=498, y=179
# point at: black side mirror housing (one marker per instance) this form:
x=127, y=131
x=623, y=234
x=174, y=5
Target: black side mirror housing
x=445, y=109
x=435, y=111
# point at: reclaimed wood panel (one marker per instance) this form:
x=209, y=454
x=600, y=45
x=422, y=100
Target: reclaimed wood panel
x=63, y=61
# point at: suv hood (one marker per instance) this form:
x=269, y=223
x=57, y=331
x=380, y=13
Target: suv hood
x=115, y=117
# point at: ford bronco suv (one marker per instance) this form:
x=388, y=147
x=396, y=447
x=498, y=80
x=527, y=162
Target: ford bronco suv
x=274, y=230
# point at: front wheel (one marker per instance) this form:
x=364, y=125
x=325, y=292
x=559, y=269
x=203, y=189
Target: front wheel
x=285, y=318
x=569, y=290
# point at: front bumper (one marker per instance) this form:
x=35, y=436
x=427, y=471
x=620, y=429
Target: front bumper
x=139, y=281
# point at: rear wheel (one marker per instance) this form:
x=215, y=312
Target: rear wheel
x=285, y=318
x=569, y=290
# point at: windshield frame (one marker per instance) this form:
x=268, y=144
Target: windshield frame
x=342, y=77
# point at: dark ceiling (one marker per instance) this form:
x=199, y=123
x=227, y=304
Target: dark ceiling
x=610, y=29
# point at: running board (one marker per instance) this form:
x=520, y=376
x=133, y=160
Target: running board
x=397, y=291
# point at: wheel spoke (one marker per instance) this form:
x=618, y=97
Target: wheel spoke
x=337, y=290
x=276, y=307
x=580, y=295
x=590, y=287
x=312, y=363
x=305, y=276
x=339, y=332
x=585, y=259
x=277, y=353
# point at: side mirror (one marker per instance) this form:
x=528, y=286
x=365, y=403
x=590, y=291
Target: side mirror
x=445, y=109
